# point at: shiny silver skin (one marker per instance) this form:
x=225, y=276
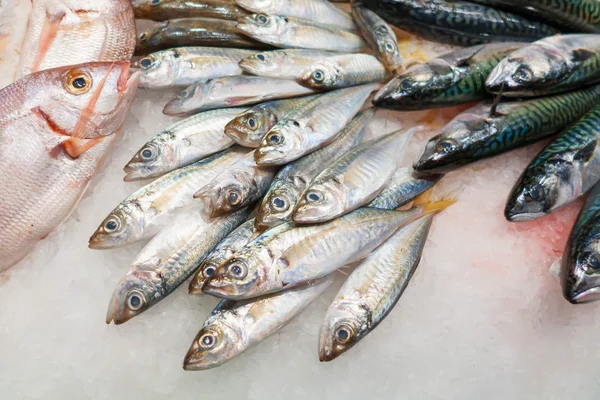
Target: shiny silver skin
x=404, y=187
x=342, y=71
x=284, y=64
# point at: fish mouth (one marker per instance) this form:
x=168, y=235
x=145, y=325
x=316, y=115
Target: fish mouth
x=513, y=215
x=221, y=289
x=96, y=243
x=268, y=156
x=587, y=296
x=175, y=109
x=248, y=65
x=134, y=174
x=207, y=202
x=244, y=25
x=129, y=78
x=309, y=215
x=325, y=356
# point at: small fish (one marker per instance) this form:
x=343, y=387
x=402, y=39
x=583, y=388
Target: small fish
x=485, y=130
x=372, y=290
x=249, y=128
x=233, y=243
x=181, y=144
x=379, y=36
x=233, y=327
x=289, y=255
x=238, y=186
x=167, y=261
x=292, y=181
x=551, y=65
x=186, y=66
x=284, y=64
x=233, y=91
x=352, y=180
x=193, y=32
x=70, y=32
x=145, y=212
x=311, y=126
x=314, y=10
x=562, y=172
x=455, y=78
x=404, y=187
x=164, y=10
x=342, y=71
x=290, y=32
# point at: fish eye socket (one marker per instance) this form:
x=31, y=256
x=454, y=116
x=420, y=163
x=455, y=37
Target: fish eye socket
x=523, y=74
x=343, y=334
x=263, y=19
x=275, y=139
x=389, y=47
x=234, y=197
x=183, y=94
x=252, y=123
x=147, y=153
x=77, y=82
x=146, y=63
x=318, y=76
x=209, y=271
x=207, y=340
x=155, y=2
x=406, y=85
x=238, y=271
x=135, y=300
x=446, y=146
x=535, y=193
x=261, y=57
x=112, y=225
x=143, y=36
x=313, y=196
x=279, y=204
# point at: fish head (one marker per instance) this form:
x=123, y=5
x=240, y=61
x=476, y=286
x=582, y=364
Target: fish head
x=269, y=61
x=282, y=144
x=277, y=207
x=122, y=226
x=238, y=277
x=580, y=270
x=206, y=270
x=189, y=100
x=158, y=69
x=387, y=47
x=226, y=193
x=153, y=159
x=150, y=37
x=250, y=126
x=341, y=329
x=268, y=27
x=321, y=202
x=322, y=74
x=134, y=294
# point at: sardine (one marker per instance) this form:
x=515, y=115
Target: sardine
x=249, y=128
x=284, y=64
x=343, y=71
x=458, y=22
x=52, y=144
x=181, y=144
x=164, y=10
x=167, y=261
x=144, y=213
x=234, y=327
x=290, y=32
x=551, y=65
x=372, y=290
x=315, y=10
x=238, y=186
x=292, y=181
x=454, y=78
x=482, y=132
x=563, y=171
x=186, y=66
x=233, y=91
x=311, y=126
x=352, y=180
x=193, y=32
x=404, y=187
x=70, y=32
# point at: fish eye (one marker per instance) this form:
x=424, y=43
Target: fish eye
x=77, y=82
x=406, y=84
x=523, y=74
x=238, y=271
x=183, y=94
x=446, y=146
x=146, y=63
x=209, y=271
x=343, y=334
x=135, y=300
x=279, y=204
x=389, y=47
x=147, y=153
x=143, y=36
x=592, y=263
x=111, y=225
x=535, y=193
x=252, y=123
x=261, y=57
x=155, y=2
x=275, y=139
x=234, y=197
x=318, y=76
x=207, y=341
x=263, y=19
x=313, y=196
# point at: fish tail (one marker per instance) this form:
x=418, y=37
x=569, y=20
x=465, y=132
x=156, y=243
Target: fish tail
x=430, y=206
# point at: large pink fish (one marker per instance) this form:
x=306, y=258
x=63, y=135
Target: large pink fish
x=56, y=127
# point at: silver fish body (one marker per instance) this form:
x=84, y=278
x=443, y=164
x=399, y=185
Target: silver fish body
x=284, y=64
x=343, y=71
x=404, y=187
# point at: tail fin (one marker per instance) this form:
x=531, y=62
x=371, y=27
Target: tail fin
x=434, y=206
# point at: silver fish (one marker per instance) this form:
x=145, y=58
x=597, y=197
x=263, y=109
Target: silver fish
x=238, y=186
x=292, y=181
x=311, y=126
x=181, y=144
x=167, y=261
x=234, y=327
x=148, y=210
x=290, y=32
x=186, y=66
x=404, y=187
x=232, y=91
x=284, y=64
x=353, y=180
x=372, y=290
x=342, y=71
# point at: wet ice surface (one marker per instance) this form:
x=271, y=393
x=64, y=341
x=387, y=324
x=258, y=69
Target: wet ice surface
x=482, y=317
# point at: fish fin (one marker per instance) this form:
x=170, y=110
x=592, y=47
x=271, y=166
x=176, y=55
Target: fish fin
x=49, y=31
x=494, y=109
x=586, y=153
x=581, y=55
x=434, y=206
x=75, y=147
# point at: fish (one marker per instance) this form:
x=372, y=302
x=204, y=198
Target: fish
x=290, y=32
x=458, y=22
x=71, y=32
x=233, y=243
x=314, y=10
x=372, y=290
x=233, y=91
x=312, y=126
x=291, y=182
x=485, y=130
x=551, y=65
x=563, y=171
x=56, y=128
x=181, y=144
x=167, y=261
x=248, y=128
x=186, y=66
x=185, y=32
x=404, y=187
x=284, y=64
x=352, y=180
x=378, y=35
x=164, y=10
x=454, y=78
x=235, y=326
x=343, y=71
x=238, y=186
x=149, y=209
x=289, y=255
